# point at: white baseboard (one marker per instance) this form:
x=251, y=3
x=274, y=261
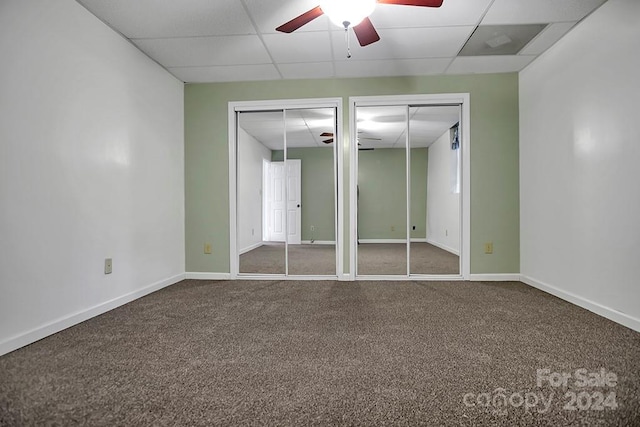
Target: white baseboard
x=250, y=248
x=413, y=240
x=318, y=242
x=208, y=276
x=62, y=323
x=443, y=247
x=500, y=277
x=604, y=311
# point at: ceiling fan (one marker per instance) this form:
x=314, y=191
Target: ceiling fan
x=330, y=140
x=351, y=13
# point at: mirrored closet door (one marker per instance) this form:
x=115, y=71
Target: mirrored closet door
x=408, y=188
x=382, y=190
x=286, y=191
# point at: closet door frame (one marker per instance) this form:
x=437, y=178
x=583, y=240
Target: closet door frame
x=235, y=107
x=461, y=99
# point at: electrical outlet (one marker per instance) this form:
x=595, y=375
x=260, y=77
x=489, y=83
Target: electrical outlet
x=253, y=231
x=313, y=228
x=488, y=248
x=108, y=266
x=393, y=228
x=207, y=248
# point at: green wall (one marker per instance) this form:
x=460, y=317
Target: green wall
x=317, y=190
x=494, y=157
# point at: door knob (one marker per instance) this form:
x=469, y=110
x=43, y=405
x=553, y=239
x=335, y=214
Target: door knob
x=298, y=205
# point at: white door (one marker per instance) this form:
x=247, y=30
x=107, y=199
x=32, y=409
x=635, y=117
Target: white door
x=294, y=200
x=284, y=202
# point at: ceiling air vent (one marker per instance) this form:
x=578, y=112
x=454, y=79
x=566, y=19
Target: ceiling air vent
x=500, y=39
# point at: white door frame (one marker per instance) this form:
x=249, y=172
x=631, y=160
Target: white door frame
x=246, y=106
x=461, y=99
x=296, y=238
x=266, y=174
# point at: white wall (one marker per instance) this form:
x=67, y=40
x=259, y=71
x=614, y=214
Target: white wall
x=251, y=154
x=443, y=206
x=580, y=165
x=91, y=166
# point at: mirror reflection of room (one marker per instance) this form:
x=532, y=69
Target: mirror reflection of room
x=382, y=190
x=435, y=189
x=287, y=189
x=429, y=193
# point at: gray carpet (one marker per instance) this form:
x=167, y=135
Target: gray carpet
x=373, y=258
x=323, y=353
x=306, y=259
x=391, y=258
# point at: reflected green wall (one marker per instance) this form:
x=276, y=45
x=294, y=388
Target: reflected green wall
x=317, y=190
x=382, y=201
x=381, y=173
x=494, y=157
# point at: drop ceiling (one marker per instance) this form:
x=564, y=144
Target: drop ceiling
x=235, y=40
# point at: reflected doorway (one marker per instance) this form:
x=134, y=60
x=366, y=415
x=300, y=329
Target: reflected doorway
x=286, y=190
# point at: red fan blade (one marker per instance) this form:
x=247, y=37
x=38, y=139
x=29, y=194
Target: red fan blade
x=365, y=32
x=301, y=20
x=328, y=141
x=326, y=134
x=423, y=3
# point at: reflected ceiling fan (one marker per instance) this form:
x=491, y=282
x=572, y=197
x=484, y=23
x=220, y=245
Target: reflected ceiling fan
x=325, y=134
x=330, y=140
x=351, y=13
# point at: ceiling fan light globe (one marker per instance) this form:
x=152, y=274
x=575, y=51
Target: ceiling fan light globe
x=351, y=11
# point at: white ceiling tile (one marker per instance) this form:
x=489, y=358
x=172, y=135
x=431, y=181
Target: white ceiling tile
x=216, y=40
x=409, y=43
x=299, y=46
x=538, y=11
x=307, y=70
x=170, y=18
x=447, y=113
x=390, y=67
x=226, y=73
x=205, y=51
x=261, y=116
x=270, y=14
x=313, y=115
x=547, y=38
x=489, y=64
x=452, y=12
x=300, y=138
